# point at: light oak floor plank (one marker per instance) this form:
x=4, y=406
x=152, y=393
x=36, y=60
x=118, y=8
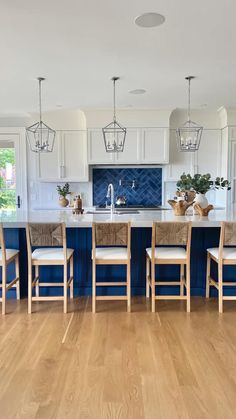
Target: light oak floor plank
x=118, y=365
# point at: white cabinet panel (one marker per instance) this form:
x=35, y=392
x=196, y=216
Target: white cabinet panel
x=96, y=148
x=155, y=145
x=74, y=156
x=131, y=153
x=67, y=161
x=49, y=163
x=208, y=157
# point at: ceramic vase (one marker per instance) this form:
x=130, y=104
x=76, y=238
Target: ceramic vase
x=63, y=202
x=201, y=200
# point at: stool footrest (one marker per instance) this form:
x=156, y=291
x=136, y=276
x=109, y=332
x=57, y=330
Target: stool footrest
x=171, y=297
x=113, y=284
x=48, y=298
x=111, y=297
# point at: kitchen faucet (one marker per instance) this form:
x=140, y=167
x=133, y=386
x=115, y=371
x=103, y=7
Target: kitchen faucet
x=110, y=194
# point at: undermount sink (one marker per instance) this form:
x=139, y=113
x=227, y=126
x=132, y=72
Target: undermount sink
x=116, y=212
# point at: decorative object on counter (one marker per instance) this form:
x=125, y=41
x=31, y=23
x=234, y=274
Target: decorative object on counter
x=114, y=134
x=203, y=212
x=188, y=196
x=78, y=205
x=39, y=135
x=189, y=134
x=179, y=207
x=200, y=184
x=120, y=200
x=63, y=192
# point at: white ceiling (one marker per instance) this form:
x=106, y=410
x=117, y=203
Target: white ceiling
x=78, y=45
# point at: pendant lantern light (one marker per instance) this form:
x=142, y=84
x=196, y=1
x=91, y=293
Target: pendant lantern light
x=39, y=135
x=114, y=134
x=189, y=134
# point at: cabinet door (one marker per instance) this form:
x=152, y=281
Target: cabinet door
x=49, y=163
x=208, y=157
x=74, y=165
x=155, y=145
x=96, y=148
x=131, y=153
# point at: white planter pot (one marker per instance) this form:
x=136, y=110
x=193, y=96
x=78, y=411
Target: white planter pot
x=201, y=200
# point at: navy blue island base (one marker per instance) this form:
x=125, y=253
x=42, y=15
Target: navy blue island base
x=80, y=239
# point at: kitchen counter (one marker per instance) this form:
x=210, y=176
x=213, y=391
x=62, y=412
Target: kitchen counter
x=18, y=218
x=205, y=234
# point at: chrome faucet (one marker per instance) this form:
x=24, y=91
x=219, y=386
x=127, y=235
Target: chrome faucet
x=110, y=194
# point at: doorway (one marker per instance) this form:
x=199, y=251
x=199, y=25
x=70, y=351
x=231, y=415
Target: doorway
x=13, y=189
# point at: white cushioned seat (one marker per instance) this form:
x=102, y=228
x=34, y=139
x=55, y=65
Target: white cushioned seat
x=50, y=253
x=228, y=252
x=108, y=253
x=9, y=253
x=167, y=252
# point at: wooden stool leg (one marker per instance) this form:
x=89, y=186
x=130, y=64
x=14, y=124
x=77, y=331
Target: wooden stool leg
x=181, y=280
x=128, y=288
x=153, y=287
x=94, y=288
x=4, y=291
x=147, y=277
x=188, y=285
x=72, y=276
x=65, y=287
x=29, y=288
x=208, y=271
x=220, y=292
x=18, y=277
x=37, y=281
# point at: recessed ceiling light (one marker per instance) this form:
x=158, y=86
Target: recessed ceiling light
x=149, y=20
x=137, y=91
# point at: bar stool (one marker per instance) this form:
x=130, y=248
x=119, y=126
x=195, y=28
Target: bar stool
x=222, y=256
x=8, y=256
x=115, y=241
x=52, y=251
x=168, y=234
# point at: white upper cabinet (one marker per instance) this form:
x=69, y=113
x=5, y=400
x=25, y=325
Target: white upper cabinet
x=208, y=158
x=155, y=145
x=96, y=148
x=132, y=147
x=142, y=146
x=49, y=163
x=68, y=160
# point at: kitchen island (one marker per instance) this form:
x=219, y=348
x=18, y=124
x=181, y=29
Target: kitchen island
x=205, y=234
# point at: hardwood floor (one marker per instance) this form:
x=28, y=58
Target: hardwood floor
x=118, y=365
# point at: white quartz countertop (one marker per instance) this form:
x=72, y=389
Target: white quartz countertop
x=18, y=218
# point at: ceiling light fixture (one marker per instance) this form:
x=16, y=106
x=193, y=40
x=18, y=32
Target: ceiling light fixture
x=189, y=134
x=39, y=135
x=149, y=20
x=114, y=134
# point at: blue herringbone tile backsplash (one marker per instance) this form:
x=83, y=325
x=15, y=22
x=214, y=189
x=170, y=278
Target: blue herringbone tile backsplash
x=147, y=191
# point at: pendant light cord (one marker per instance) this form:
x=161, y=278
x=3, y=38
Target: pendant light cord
x=114, y=100
x=189, y=80
x=40, y=101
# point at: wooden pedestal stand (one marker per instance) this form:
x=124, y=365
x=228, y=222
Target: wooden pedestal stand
x=179, y=207
x=203, y=212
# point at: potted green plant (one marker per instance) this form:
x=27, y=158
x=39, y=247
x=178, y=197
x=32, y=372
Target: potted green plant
x=201, y=184
x=63, y=192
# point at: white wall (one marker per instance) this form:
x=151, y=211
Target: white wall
x=128, y=118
